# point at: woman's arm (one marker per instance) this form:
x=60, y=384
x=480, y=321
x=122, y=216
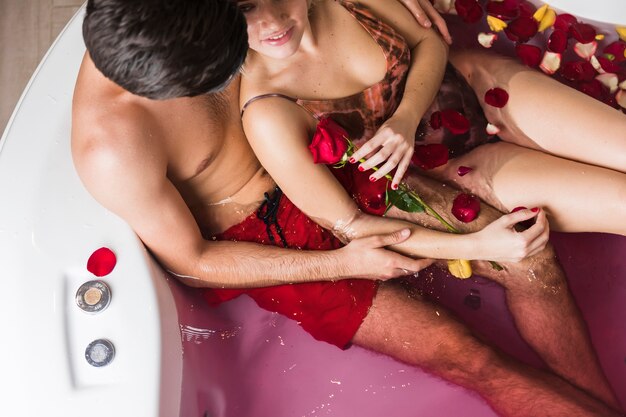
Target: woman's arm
x=279, y=132
x=394, y=142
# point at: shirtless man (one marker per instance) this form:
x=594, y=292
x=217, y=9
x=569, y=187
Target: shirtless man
x=155, y=148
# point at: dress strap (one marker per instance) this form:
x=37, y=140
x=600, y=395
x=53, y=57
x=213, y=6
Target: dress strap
x=262, y=96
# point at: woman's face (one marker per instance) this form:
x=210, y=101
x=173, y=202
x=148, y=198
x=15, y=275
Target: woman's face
x=275, y=27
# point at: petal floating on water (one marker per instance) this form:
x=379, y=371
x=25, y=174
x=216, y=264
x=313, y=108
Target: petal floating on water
x=496, y=97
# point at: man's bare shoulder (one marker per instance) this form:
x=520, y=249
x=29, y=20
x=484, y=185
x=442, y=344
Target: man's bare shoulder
x=114, y=138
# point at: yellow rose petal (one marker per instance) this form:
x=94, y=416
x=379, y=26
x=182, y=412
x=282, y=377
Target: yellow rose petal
x=600, y=36
x=621, y=31
x=620, y=97
x=496, y=24
x=460, y=268
x=548, y=20
x=540, y=13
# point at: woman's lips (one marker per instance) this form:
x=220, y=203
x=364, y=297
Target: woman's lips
x=279, y=39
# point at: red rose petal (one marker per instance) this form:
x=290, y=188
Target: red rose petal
x=430, y=156
x=578, y=71
x=557, y=41
x=529, y=54
x=617, y=50
x=504, y=10
x=454, y=121
x=496, y=97
x=470, y=10
x=101, y=262
x=608, y=66
x=435, y=120
x=593, y=88
x=582, y=32
x=465, y=207
x=463, y=171
x=564, y=21
x=522, y=29
x=527, y=9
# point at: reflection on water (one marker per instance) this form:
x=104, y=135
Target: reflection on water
x=197, y=335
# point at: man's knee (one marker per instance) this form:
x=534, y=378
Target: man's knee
x=543, y=273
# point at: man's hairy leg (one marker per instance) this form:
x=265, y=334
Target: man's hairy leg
x=537, y=296
x=421, y=334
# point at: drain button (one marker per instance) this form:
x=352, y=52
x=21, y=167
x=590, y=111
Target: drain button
x=100, y=353
x=93, y=296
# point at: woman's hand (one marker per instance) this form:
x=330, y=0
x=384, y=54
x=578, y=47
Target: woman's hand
x=501, y=243
x=426, y=14
x=394, y=143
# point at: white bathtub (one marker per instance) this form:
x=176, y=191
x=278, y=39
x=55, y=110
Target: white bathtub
x=608, y=11
x=49, y=226
x=173, y=355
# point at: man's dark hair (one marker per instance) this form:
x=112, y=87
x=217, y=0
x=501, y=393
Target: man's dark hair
x=163, y=49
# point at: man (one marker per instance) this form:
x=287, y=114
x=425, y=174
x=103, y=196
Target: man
x=154, y=143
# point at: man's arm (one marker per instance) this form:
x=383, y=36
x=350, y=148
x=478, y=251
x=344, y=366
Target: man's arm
x=126, y=172
x=426, y=14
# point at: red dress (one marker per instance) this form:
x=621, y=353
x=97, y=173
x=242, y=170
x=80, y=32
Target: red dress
x=329, y=311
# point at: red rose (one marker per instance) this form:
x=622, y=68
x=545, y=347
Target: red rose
x=430, y=156
x=465, y=207
x=329, y=143
x=369, y=196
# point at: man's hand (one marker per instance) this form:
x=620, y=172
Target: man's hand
x=367, y=257
x=426, y=14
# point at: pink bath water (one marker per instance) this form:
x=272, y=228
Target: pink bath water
x=240, y=360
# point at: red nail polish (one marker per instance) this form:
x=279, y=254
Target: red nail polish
x=394, y=186
x=372, y=179
x=535, y=209
x=361, y=169
x=352, y=160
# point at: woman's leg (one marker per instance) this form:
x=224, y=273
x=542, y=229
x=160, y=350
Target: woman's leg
x=544, y=114
x=418, y=333
x=576, y=197
x=537, y=296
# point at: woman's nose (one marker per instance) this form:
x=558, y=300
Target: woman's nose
x=272, y=14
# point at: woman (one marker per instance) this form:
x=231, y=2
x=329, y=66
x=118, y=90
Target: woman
x=325, y=56
x=506, y=176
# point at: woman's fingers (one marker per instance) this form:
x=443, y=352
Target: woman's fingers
x=376, y=159
x=403, y=166
x=368, y=147
x=386, y=147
